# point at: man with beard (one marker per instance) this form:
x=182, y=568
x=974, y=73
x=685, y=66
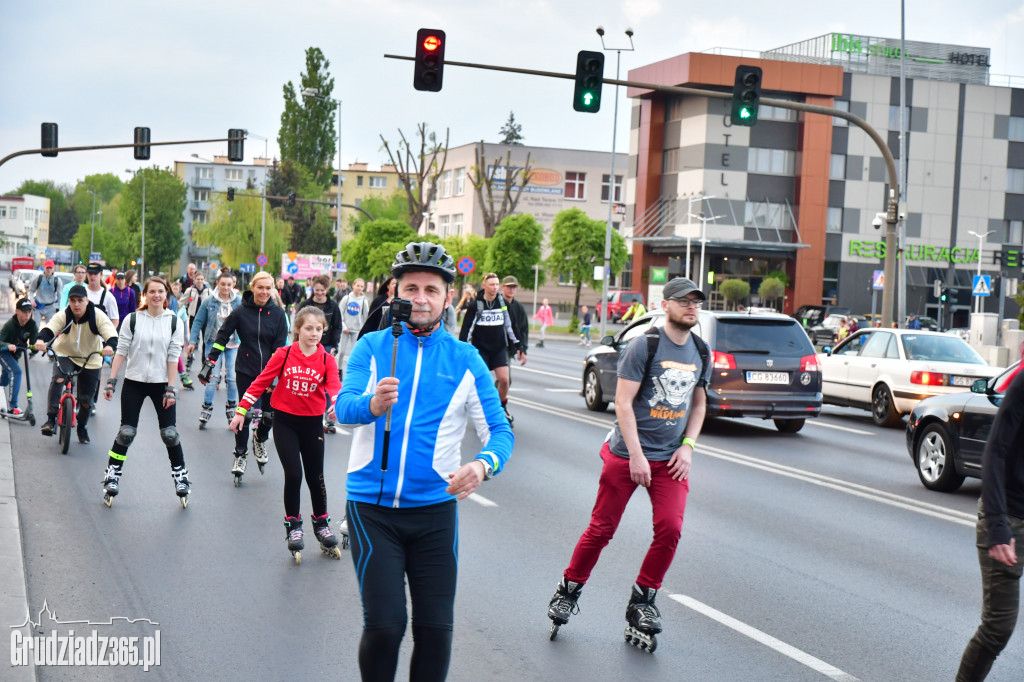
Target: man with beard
x=660, y=402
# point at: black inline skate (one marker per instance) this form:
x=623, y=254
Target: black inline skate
x=205, y=412
x=182, y=486
x=644, y=619
x=238, y=469
x=343, y=532
x=111, y=483
x=293, y=533
x=563, y=604
x=229, y=410
x=328, y=540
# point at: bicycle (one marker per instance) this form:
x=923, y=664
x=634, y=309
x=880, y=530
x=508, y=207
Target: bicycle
x=27, y=415
x=68, y=404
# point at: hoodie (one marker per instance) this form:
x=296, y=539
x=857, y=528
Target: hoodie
x=261, y=330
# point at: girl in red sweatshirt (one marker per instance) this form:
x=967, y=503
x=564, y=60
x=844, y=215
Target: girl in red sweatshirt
x=307, y=385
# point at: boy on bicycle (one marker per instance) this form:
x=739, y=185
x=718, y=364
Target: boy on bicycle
x=82, y=329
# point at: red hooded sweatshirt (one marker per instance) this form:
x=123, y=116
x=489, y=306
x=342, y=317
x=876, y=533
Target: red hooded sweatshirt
x=306, y=386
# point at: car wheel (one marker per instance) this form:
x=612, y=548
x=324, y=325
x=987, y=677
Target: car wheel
x=592, y=392
x=883, y=409
x=934, y=460
x=789, y=425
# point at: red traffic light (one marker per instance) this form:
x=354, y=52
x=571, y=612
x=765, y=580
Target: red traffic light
x=428, y=71
x=431, y=43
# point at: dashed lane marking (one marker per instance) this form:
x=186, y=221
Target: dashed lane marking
x=481, y=500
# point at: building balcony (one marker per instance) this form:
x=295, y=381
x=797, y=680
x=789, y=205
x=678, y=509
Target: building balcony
x=201, y=182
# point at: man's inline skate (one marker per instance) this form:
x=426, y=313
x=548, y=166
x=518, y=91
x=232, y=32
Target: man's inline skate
x=182, y=486
x=563, y=604
x=238, y=469
x=111, y=483
x=343, y=532
x=644, y=619
x=205, y=412
x=293, y=533
x=328, y=540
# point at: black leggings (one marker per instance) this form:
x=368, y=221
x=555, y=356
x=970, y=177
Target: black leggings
x=387, y=545
x=300, y=446
x=263, y=430
x=133, y=396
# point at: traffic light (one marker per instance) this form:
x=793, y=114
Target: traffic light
x=49, y=135
x=236, y=144
x=589, y=79
x=943, y=295
x=429, y=70
x=231, y=193
x=142, y=138
x=746, y=95
x=291, y=198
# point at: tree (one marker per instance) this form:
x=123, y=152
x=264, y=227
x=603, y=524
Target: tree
x=312, y=230
x=506, y=181
x=511, y=132
x=104, y=240
x=63, y=222
x=394, y=207
x=307, y=134
x=515, y=248
x=415, y=168
x=734, y=290
x=234, y=227
x=577, y=245
x=771, y=289
x=371, y=253
x=165, y=202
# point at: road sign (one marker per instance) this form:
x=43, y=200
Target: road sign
x=341, y=267
x=247, y=267
x=261, y=259
x=878, y=280
x=982, y=285
x=293, y=268
x=96, y=256
x=466, y=265
x=49, y=253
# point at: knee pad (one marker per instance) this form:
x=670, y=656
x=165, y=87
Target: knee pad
x=169, y=436
x=125, y=435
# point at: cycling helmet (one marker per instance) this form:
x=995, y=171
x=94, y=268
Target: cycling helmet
x=424, y=257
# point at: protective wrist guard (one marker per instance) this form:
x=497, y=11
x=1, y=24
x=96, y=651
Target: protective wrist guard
x=204, y=373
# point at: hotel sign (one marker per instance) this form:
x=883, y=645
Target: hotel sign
x=925, y=53
x=916, y=252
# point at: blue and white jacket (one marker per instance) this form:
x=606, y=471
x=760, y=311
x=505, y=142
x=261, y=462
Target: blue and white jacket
x=443, y=383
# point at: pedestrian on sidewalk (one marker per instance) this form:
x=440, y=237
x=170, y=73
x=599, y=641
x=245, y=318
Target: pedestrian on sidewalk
x=585, y=326
x=17, y=334
x=547, y=319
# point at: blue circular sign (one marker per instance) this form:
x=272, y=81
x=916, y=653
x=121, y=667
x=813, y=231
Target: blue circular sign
x=466, y=265
x=293, y=268
x=261, y=259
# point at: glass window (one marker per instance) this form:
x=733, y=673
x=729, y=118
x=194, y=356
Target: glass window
x=460, y=182
x=444, y=189
x=894, y=117
x=14, y=212
x=442, y=225
x=457, y=225
x=359, y=181
x=834, y=221
x=853, y=344
x=378, y=182
x=1016, y=132
x=876, y=346
x=771, y=161
x=770, y=113
x=842, y=105
x=204, y=173
x=939, y=348
x=1014, y=232
x=3, y=211
x=837, y=167
x=198, y=216
x=233, y=174
x=1015, y=180
x=780, y=338
x=575, y=185
x=201, y=194
x=892, y=351
x=766, y=214
x=605, y=187
x=639, y=327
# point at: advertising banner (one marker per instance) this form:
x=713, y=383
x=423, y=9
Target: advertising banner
x=304, y=265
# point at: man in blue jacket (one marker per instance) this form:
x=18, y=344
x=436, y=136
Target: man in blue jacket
x=403, y=484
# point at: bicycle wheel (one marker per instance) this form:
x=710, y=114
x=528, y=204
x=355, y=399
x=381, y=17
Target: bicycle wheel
x=67, y=409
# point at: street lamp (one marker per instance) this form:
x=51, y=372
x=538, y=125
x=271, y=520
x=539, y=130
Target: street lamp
x=611, y=179
x=981, y=246
x=263, y=192
x=92, y=234
x=703, y=240
x=314, y=93
x=142, y=256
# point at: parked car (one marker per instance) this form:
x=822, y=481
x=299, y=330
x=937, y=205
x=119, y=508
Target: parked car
x=824, y=333
x=946, y=434
x=811, y=315
x=888, y=371
x=618, y=304
x=763, y=366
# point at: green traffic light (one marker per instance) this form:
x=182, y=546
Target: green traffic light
x=745, y=113
x=588, y=98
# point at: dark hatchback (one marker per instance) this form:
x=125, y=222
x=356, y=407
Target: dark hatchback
x=946, y=434
x=763, y=365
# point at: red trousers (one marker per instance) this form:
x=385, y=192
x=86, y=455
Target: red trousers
x=668, y=499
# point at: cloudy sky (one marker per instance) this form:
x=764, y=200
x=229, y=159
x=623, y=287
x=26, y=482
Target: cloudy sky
x=191, y=70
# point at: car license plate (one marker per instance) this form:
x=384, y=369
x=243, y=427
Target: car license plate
x=767, y=377
x=963, y=381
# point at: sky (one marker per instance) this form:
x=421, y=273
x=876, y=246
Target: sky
x=192, y=70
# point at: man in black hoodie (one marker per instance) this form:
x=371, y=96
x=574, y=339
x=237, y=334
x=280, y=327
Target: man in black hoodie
x=262, y=328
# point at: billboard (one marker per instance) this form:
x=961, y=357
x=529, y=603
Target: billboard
x=304, y=265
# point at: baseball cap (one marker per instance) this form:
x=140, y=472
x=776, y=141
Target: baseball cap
x=49, y=264
x=23, y=304
x=510, y=281
x=119, y=275
x=679, y=287
x=94, y=268
x=78, y=291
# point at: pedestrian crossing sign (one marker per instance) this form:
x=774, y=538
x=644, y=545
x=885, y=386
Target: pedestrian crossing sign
x=982, y=285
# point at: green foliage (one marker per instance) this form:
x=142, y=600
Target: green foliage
x=394, y=207
x=63, y=223
x=370, y=254
x=511, y=132
x=779, y=275
x=165, y=202
x=108, y=225
x=574, y=324
x=734, y=290
x=106, y=185
x=577, y=246
x=312, y=230
x=515, y=248
x=308, y=133
x=234, y=227
x=771, y=289
x=476, y=248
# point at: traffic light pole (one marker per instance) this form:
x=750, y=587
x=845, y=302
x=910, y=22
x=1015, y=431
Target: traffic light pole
x=892, y=203
x=53, y=150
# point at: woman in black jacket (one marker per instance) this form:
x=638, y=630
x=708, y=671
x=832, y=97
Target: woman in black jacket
x=262, y=328
x=326, y=305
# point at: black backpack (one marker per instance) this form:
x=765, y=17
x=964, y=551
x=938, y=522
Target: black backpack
x=654, y=337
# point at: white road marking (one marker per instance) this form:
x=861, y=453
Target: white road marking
x=562, y=390
x=764, y=638
x=547, y=374
x=826, y=425
x=481, y=500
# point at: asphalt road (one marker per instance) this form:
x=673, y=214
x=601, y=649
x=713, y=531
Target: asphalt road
x=810, y=556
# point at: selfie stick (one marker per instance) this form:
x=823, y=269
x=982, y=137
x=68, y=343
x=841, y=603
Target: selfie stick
x=396, y=331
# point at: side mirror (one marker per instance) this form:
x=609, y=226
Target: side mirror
x=827, y=350
x=608, y=340
x=980, y=386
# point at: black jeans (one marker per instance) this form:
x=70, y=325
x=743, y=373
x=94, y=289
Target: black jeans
x=300, y=447
x=133, y=397
x=85, y=387
x=1000, y=603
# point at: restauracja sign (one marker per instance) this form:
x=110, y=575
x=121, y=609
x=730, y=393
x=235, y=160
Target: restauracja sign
x=916, y=252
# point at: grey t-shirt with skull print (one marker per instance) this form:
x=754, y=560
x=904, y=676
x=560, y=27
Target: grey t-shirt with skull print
x=662, y=405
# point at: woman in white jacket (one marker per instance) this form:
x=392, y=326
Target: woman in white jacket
x=149, y=345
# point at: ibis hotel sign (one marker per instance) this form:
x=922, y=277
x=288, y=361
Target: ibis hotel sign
x=915, y=252
x=867, y=48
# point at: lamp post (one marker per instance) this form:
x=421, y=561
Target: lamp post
x=263, y=191
x=703, y=240
x=981, y=246
x=314, y=93
x=92, y=233
x=142, y=255
x=611, y=178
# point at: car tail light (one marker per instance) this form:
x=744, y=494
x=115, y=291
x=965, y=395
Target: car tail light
x=723, y=360
x=929, y=378
x=809, y=363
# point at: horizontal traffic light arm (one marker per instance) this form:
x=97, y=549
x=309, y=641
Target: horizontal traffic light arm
x=26, y=152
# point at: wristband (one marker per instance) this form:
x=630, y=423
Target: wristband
x=691, y=442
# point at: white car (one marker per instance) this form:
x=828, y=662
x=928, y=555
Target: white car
x=888, y=371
